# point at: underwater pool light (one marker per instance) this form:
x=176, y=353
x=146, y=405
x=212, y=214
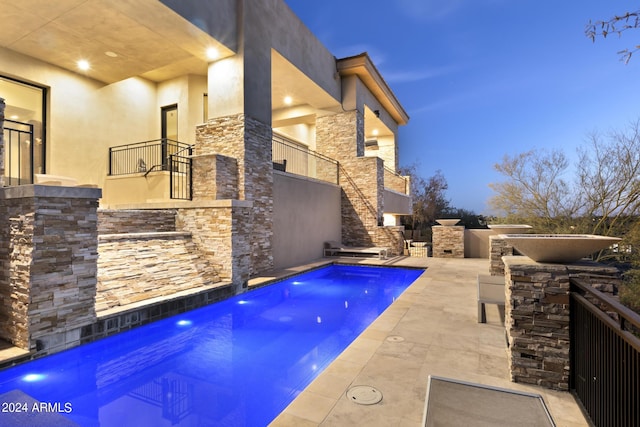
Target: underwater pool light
x=30, y=378
x=184, y=322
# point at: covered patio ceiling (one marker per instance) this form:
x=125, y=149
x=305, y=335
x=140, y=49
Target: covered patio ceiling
x=120, y=39
x=307, y=99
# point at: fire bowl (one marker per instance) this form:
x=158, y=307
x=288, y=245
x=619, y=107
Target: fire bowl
x=558, y=248
x=448, y=222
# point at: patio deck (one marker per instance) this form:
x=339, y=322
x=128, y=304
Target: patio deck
x=431, y=329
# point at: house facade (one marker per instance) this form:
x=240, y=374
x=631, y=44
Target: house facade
x=229, y=114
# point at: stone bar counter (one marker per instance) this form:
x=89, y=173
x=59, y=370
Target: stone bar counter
x=537, y=316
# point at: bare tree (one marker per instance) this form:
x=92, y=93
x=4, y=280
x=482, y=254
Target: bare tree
x=433, y=194
x=429, y=201
x=604, y=199
x=616, y=25
x=609, y=179
x=535, y=190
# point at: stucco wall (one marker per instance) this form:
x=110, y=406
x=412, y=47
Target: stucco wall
x=85, y=117
x=306, y=214
x=188, y=92
x=476, y=243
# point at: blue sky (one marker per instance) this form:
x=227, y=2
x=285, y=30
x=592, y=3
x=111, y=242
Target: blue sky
x=484, y=78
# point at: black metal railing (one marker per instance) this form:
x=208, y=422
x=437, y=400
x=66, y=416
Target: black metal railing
x=605, y=357
x=289, y=156
x=156, y=155
x=139, y=157
x=180, y=178
x=18, y=146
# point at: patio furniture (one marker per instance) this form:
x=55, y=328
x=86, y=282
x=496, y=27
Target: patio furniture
x=280, y=165
x=333, y=248
x=490, y=291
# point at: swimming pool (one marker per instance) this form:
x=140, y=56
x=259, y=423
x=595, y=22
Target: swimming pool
x=238, y=362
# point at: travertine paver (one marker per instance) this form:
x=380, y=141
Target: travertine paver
x=431, y=329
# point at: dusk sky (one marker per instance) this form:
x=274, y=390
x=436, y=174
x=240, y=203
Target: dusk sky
x=484, y=78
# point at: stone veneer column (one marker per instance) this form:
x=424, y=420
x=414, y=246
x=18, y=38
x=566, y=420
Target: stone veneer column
x=215, y=177
x=498, y=248
x=2, y=106
x=249, y=142
x=341, y=137
x=537, y=316
x=448, y=241
x=48, y=254
x=219, y=231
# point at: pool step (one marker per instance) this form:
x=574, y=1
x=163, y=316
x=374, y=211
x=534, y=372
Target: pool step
x=134, y=267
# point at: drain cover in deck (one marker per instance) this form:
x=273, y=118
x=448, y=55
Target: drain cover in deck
x=364, y=395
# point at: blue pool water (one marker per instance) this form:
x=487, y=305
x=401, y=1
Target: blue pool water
x=238, y=362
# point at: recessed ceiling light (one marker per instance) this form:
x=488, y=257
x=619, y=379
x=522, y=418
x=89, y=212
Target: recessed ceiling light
x=83, y=64
x=111, y=54
x=288, y=100
x=212, y=53
x=375, y=132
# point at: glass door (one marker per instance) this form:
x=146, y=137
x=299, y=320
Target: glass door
x=24, y=131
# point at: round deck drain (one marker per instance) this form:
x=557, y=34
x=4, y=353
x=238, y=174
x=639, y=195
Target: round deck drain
x=395, y=338
x=364, y=395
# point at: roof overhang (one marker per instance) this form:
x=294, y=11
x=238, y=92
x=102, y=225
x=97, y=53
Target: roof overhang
x=147, y=38
x=361, y=66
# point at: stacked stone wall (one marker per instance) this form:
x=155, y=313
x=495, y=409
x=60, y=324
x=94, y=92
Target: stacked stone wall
x=49, y=258
x=498, y=248
x=537, y=317
x=341, y=137
x=16, y=243
x=2, y=107
x=215, y=177
x=114, y=221
x=395, y=182
x=448, y=241
x=222, y=238
x=391, y=237
x=249, y=141
x=157, y=264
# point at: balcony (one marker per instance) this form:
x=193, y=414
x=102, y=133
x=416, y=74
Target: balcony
x=397, y=197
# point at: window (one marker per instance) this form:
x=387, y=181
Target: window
x=24, y=130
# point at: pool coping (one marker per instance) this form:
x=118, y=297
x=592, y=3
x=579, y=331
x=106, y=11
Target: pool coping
x=420, y=334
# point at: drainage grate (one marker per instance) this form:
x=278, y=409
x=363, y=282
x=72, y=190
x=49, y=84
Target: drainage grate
x=395, y=338
x=364, y=395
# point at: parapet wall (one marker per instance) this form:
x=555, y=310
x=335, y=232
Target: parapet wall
x=448, y=241
x=498, y=248
x=537, y=316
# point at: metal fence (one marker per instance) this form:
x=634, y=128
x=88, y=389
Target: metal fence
x=18, y=146
x=292, y=157
x=180, y=178
x=156, y=155
x=605, y=357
